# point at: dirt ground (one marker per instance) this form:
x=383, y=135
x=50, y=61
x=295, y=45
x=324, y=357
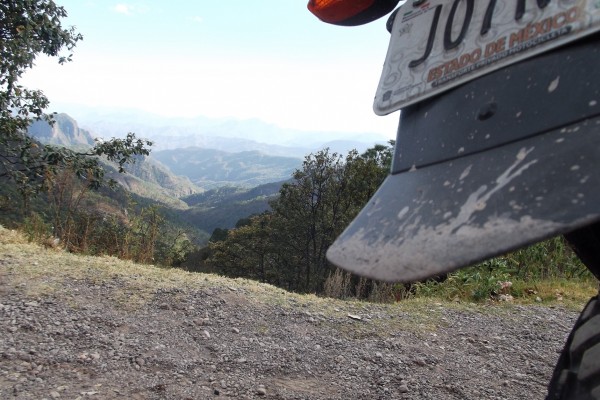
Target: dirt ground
x=76, y=327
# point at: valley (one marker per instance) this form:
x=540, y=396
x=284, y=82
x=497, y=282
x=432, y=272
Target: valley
x=206, y=174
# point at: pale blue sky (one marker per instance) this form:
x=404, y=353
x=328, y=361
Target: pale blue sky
x=265, y=59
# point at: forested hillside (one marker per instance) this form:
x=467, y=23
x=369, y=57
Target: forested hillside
x=209, y=168
x=286, y=246
x=145, y=177
x=224, y=207
x=203, y=210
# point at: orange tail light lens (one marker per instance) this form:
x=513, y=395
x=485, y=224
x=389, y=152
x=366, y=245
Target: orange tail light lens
x=350, y=12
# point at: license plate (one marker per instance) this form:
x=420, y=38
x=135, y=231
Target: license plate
x=439, y=44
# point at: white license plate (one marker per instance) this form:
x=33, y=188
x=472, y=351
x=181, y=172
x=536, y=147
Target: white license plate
x=439, y=44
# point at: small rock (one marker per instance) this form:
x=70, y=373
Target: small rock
x=420, y=362
x=206, y=334
x=261, y=391
x=505, y=297
x=54, y=395
x=403, y=389
x=235, y=330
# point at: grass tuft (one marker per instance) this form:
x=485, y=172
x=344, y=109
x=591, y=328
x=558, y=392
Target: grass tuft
x=522, y=278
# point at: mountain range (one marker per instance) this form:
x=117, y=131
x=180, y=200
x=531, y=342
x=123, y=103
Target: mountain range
x=225, y=134
x=64, y=132
x=209, y=168
x=181, y=171
x=200, y=169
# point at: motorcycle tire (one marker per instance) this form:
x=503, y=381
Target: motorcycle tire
x=577, y=372
x=585, y=242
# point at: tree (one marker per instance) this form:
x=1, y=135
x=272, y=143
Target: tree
x=246, y=251
x=287, y=246
x=382, y=155
x=29, y=28
x=307, y=210
x=326, y=194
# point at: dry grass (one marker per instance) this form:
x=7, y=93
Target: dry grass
x=41, y=271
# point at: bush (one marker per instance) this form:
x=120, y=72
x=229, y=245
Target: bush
x=514, y=275
x=338, y=285
x=550, y=259
x=36, y=229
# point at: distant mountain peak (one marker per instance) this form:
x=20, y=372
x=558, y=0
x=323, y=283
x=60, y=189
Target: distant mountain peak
x=64, y=132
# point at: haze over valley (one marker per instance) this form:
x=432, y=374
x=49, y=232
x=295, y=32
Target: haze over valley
x=226, y=134
x=215, y=171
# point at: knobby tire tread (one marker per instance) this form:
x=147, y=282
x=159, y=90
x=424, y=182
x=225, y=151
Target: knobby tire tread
x=577, y=372
x=586, y=244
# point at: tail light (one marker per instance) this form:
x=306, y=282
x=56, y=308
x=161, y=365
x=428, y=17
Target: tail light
x=350, y=12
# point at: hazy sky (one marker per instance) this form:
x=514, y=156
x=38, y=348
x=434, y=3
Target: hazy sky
x=266, y=59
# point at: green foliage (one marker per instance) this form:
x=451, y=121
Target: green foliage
x=121, y=151
x=232, y=195
x=97, y=226
x=219, y=235
x=36, y=229
x=64, y=176
x=213, y=196
x=548, y=260
x=223, y=208
x=287, y=246
x=246, y=251
x=28, y=29
x=314, y=209
x=517, y=274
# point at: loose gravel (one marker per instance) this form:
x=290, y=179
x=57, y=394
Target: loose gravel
x=85, y=337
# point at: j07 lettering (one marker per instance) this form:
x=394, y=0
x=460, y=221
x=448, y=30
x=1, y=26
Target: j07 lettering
x=486, y=24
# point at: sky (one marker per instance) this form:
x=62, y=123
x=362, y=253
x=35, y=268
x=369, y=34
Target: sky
x=266, y=59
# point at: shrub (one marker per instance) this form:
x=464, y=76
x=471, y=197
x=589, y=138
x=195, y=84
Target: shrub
x=525, y=269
